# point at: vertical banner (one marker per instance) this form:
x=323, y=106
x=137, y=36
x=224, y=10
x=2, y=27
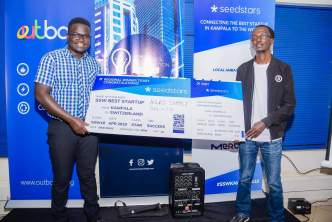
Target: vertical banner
x=3, y=137
x=138, y=38
x=131, y=37
x=222, y=43
x=33, y=28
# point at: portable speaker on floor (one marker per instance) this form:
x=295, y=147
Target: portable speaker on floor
x=186, y=197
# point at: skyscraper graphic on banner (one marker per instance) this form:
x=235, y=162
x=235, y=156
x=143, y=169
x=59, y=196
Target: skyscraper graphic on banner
x=114, y=20
x=139, y=37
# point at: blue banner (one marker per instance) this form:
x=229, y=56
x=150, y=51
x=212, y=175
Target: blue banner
x=33, y=28
x=202, y=88
x=132, y=171
x=222, y=43
x=144, y=85
x=127, y=40
x=228, y=182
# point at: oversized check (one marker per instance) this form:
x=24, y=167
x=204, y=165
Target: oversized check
x=166, y=107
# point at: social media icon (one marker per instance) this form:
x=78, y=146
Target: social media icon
x=150, y=162
x=22, y=69
x=140, y=162
x=23, y=108
x=23, y=89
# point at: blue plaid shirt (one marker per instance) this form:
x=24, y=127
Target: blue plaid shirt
x=70, y=79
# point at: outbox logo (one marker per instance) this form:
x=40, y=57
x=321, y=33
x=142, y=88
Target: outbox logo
x=41, y=32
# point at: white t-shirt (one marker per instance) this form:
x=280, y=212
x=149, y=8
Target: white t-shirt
x=259, y=101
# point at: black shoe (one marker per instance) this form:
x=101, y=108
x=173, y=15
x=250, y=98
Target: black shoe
x=240, y=218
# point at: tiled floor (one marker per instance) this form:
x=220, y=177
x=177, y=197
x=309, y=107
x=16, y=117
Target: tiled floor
x=2, y=211
x=320, y=212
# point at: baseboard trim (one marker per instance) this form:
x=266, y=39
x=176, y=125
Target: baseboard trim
x=312, y=188
x=108, y=202
x=4, y=194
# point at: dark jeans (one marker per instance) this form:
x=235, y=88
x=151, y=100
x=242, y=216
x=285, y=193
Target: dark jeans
x=271, y=162
x=66, y=149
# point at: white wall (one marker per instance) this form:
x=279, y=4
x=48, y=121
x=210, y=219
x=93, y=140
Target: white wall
x=4, y=179
x=314, y=186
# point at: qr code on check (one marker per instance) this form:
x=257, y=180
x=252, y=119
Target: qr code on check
x=178, y=123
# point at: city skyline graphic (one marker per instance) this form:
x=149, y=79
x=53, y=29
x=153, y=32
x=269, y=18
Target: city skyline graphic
x=139, y=37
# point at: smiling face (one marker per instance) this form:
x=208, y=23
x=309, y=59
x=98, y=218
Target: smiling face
x=261, y=40
x=78, y=39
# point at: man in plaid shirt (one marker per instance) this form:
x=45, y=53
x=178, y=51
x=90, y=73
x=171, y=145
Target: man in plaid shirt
x=62, y=86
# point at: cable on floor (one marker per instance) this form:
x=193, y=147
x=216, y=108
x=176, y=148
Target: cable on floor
x=297, y=170
x=307, y=218
x=321, y=201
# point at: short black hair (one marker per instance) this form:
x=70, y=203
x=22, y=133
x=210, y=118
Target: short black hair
x=271, y=32
x=78, y=20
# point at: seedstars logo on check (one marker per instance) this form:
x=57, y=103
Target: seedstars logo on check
x=43, y=31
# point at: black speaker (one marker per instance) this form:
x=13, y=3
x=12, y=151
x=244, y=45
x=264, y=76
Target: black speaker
x=299, y=206
x=186, y=193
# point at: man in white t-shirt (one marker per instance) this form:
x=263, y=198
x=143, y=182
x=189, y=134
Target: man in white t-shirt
x=269, y=102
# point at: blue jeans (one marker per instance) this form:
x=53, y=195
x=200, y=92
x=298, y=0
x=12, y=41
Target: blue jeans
x=271, y=161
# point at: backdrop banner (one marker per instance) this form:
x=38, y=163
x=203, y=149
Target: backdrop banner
x=128, y=39
x=135, y=39
x=222, y=43
x=32, y=28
